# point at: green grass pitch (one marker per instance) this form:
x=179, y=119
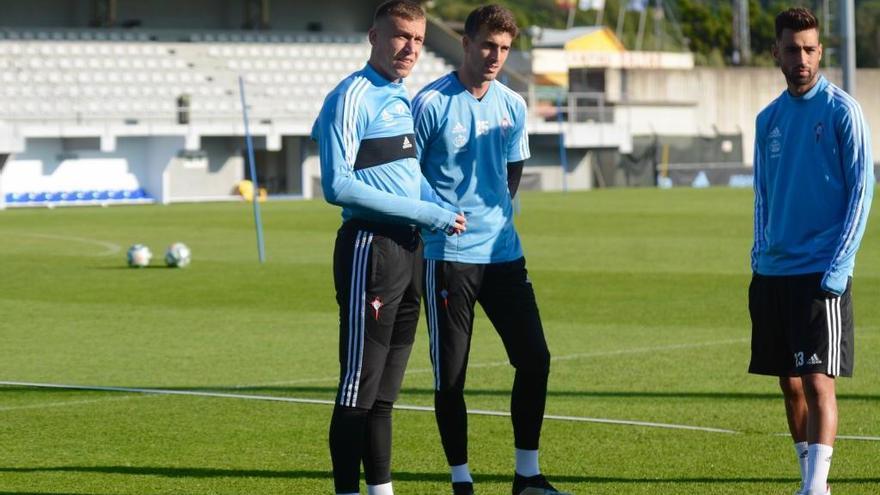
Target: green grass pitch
x=642, y=294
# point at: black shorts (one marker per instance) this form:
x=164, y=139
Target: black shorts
x=377, y=270
x=799, y=329
x=506, y=295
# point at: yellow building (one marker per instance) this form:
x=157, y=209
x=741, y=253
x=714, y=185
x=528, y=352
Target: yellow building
x=593, y=39
x=587, y=53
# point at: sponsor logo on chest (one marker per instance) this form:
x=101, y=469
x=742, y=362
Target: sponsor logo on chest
x=461, y=135
x=482, y=127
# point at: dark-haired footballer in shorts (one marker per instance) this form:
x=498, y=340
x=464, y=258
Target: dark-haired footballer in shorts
x=814, y=180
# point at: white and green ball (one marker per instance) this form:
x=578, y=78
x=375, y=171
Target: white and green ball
x=177, y=255
x=139, y=256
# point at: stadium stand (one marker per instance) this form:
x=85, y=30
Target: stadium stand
x=150, y=101
x=113, y=85
x=82, y=76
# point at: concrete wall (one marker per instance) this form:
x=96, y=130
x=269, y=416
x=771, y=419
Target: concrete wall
x=211, y=174
x=667, y=119
x=294, y=152
x=728, y=100
x=542, y=171
x=154, y=163
x=46, y=13
x=342, y=16
x=47, y=166
x=174, y=14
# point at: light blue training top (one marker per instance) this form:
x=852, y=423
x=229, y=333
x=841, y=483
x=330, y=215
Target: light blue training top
x=814, y=180
x=368, y=155
x=464, y=147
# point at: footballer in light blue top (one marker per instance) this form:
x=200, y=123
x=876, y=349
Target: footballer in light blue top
x=805, y=146
x=491, y=128
x=368, y=155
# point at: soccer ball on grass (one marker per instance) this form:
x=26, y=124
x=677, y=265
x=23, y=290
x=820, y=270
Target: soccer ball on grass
x=139, y=256
x=177, y=255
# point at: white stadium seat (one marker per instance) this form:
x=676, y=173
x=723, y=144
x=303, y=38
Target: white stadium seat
x=98, y=77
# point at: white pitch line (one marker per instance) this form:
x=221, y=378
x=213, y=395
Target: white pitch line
x=843, y=437
x=291, y=382
x=858, y=437
x=160, y=391
x=109, y=248
x=496, y=364
x=404, y=407
x=583, y=419
x=65, y=403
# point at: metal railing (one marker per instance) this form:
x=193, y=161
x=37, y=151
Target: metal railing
x=577, y=107
x=568, y=108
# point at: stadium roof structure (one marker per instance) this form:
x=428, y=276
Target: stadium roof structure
x=592, y=38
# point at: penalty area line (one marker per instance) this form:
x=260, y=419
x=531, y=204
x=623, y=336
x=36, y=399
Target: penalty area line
x=110, y=248
x=403, y=407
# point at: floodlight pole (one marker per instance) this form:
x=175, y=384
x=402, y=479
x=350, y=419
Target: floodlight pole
x=848, y=38
x=258, y=222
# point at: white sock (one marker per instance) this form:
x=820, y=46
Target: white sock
x=527, y=463
x=818, y=465
x=383, y=489
x=800, y=448
x=461, y=473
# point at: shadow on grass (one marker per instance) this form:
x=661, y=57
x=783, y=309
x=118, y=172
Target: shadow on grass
x=296, y=391
x=184, y=472
x=154, y=266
